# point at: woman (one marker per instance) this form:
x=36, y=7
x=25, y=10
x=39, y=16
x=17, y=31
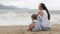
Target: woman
x=43, y=19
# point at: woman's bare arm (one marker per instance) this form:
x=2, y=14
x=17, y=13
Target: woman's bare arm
x=40, y=13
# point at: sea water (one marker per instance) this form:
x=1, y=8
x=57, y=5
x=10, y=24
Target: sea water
x=12, y=18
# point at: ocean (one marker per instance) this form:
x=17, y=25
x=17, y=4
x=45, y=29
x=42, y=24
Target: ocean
x=18, y=18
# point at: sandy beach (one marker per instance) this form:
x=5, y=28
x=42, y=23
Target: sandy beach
x=16, y=29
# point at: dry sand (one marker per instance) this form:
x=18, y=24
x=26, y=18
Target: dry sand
x=23, y=30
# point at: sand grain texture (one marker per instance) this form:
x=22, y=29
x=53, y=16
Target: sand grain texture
x=23, y=30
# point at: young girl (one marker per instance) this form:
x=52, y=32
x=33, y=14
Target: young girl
x=31, y=26
x=35, y=26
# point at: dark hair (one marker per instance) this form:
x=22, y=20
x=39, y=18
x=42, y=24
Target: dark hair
x=45, y=8
x=34, y=16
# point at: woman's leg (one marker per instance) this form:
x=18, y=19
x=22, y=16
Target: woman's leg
x=46, y=28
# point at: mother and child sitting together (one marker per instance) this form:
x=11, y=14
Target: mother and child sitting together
x=41, y=20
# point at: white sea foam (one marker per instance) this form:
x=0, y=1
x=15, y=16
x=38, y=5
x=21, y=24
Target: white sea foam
x=12, y=18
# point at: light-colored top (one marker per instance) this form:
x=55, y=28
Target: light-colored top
x=37, y=26
x=45, y=21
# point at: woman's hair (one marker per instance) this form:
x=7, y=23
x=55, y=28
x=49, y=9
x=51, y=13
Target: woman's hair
x=42, y=5
x=34, y=16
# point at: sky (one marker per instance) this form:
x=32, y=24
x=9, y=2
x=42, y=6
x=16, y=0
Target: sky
x=32, y=4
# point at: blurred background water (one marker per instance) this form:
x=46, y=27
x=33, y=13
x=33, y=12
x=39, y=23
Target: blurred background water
x=22, y=18
x=18, y=12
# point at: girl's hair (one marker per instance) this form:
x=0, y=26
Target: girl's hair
x=45, y=8
x=34, y=16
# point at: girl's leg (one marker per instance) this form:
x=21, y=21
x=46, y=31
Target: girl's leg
x=29, y=28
